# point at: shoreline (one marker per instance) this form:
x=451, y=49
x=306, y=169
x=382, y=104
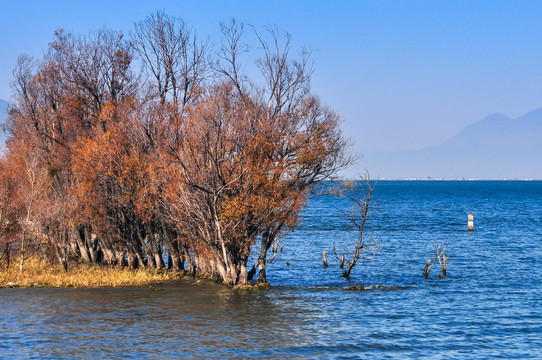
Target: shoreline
x=37, y=273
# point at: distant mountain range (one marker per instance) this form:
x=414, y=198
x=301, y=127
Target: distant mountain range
x=496, y=147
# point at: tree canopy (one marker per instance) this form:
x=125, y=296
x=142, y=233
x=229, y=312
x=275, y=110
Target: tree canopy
x=157, y=150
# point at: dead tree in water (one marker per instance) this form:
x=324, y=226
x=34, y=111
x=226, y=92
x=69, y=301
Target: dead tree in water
x=363, y=248
x=441, y=259
x=444, y=259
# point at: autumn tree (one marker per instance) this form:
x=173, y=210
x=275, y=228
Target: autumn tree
x=302, y=140
x=188, y=162
x=59, y=102
x=10, y=211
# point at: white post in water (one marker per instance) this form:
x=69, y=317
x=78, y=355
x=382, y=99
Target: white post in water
x=471, y=222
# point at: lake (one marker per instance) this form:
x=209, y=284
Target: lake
x=489, y=305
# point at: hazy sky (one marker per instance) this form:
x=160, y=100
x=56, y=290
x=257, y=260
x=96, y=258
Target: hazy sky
x=403, y=74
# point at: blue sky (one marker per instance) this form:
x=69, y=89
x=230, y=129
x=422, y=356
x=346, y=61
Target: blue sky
x=403, y=74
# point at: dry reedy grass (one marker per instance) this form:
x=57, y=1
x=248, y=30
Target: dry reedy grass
x=37, y=273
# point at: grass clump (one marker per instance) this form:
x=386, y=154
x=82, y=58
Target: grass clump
x=37, y=273
x=257, y=286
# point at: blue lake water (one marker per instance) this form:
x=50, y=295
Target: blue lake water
x=489, y=305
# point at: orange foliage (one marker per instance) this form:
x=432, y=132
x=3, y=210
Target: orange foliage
x=191, y=163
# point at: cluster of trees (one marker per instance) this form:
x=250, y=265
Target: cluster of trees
x=156, y=150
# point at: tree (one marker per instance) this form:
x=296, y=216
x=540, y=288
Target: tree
x=442, y=259
x=34, y=185
x=302, y=142
x=361, y=194
x=174, y=58
x=189, y=162
x=10, y=211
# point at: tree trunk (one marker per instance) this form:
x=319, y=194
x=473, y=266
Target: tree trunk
x=349, y=267
x=174, y=256
x=140, y=262
x=91, y=242
x=266, y=242
x=262, y=274
x=324, y=259
x=252, y=272
x=224, y=273
x=223, y=270
x=7, y=252
x=107, y=252
x=132, y=260
x=119, y=255
x=169, y=261
x=147, y=249
x=156, y=247
x=180, y=257
x=62, y=258
x=108, y=256
x=159, y=261
x=243, y=274
x=190, y=265
x=80, y=239
x=177, y=263
x=65, y=265
x=72, y=242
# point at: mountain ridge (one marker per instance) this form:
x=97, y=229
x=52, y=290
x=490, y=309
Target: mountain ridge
x=496, y=147
x=500, y=130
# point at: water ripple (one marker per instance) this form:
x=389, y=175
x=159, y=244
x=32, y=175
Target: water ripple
x=487, y=307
